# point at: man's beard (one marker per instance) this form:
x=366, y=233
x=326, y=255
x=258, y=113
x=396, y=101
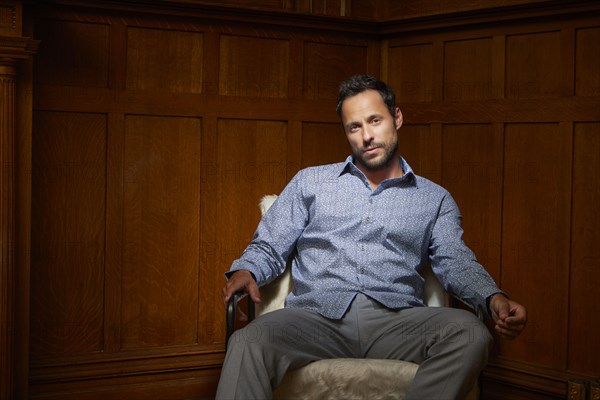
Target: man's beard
x=376, y=164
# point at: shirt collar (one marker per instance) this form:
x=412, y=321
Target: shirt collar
x=409, y=176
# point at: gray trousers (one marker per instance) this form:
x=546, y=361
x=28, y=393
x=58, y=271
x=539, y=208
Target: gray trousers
x=450, y=345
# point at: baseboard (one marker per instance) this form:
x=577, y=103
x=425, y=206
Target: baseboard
x=504, y=379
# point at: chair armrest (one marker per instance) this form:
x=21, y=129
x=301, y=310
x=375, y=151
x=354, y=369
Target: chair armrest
x=231, y=312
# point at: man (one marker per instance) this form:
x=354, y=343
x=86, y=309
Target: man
x=360, y=233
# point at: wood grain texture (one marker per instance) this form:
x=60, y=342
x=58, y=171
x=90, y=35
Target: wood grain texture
x=325, y=63
x=68, y=204
x=584, y=305
x=253, y=67
x=473, y=174
x=411, y=72
x=73, y=54
x=587, y=62
x=8, y=230
x=323, y=144
x=536, y=237
x=421, y=147
x=161, y=232
x=532, y=65
x=164, y=60
x=245, y=160
x=468, y=70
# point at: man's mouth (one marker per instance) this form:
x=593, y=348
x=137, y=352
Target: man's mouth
x=370, y=150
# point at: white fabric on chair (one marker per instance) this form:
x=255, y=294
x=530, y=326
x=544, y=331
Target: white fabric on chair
x=347, y=378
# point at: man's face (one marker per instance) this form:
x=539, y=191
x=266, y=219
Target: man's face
x=370, y=130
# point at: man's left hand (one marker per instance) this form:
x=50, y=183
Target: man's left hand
x=509, y=316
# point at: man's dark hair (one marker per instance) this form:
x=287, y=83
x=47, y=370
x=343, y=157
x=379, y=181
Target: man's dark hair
x=358, y=84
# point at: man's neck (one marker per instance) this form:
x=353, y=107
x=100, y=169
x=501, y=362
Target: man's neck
x=390, y=171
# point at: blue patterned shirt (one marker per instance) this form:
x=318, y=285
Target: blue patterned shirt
x=347, y=238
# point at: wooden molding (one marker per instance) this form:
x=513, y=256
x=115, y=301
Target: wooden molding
x=7, y=224
x=10, y=18
x=380, y=27
x=12, y=44
x=71, y=371
x=535, y=379
x=13, y=47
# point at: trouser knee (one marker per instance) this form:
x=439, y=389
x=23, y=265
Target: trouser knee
x=251, y=335
x=472, y=336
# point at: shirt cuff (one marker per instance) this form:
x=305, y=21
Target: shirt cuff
x=489, y=298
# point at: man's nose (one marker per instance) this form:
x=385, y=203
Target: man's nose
x=367, y=134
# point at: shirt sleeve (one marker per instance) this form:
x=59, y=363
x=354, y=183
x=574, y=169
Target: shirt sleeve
x=453, y=262
x=276, y=235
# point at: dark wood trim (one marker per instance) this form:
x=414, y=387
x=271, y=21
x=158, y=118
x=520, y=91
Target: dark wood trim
x=529, y=380
x=381, y=28
x=14, y=48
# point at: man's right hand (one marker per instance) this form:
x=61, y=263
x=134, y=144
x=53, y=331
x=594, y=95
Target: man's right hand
x=241, y=280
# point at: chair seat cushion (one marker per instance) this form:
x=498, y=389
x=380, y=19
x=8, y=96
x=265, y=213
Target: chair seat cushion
x=344, y=378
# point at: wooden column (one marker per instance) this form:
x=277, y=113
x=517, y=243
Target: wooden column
x=13, y=49
x=7, y=212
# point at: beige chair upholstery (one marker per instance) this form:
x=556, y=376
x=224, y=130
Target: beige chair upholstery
x=343, y=378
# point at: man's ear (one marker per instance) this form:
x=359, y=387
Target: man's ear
x=398, y=119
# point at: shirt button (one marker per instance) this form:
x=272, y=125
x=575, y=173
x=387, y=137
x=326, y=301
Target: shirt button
x=368, y=220
x=370, y=201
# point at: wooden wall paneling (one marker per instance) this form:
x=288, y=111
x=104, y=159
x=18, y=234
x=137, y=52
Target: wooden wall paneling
x=472, y=172
x=587, y=62
x=374, y=57
x=68, y=234
x=384, y=68
x=421, y=8
x=161, y=232
x=73, y=53
x=252, y=156
x=117, y=64
x=584, y=304
x=531, y=65
x=253, y=66
x=468, y=69
x=411, y=72
x=421, y=147
x=164, y=60
x=438, y=70
x=249, y=160
x=323, y=143
x=294, y=148
x=363, y=9
x=326, y=65
x=210, y=78
x=181, y=384
x=296, y=72
x=114, y=232
x=498, y=83
x=328, y=7
x=567, y=67
x=211, y=326
x=535, y=238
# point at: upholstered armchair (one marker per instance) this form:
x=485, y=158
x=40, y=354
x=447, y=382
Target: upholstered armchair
x=340, y=378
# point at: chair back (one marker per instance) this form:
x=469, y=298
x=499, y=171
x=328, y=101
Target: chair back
x=273, y=294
